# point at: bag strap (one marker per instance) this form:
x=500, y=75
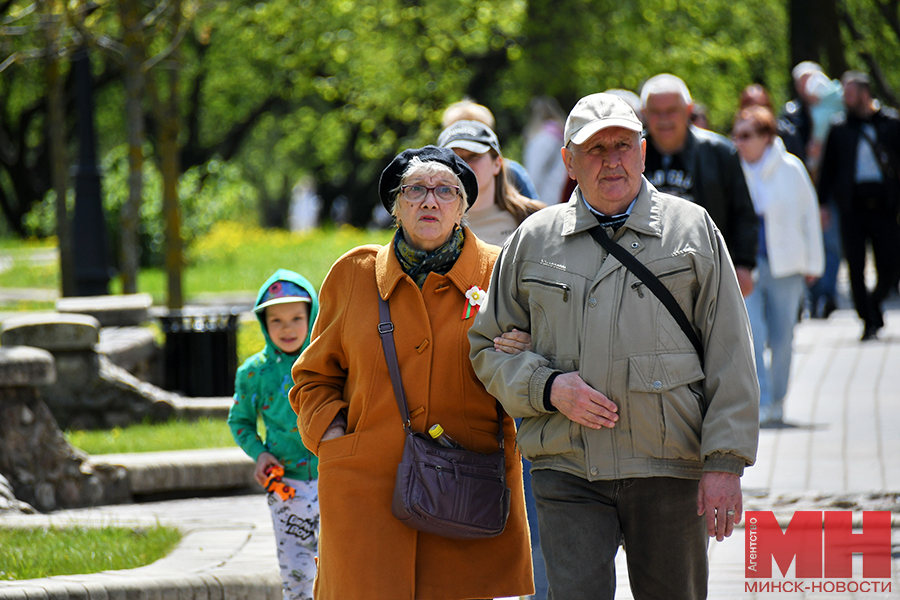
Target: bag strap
x=386, y=331
x=653, y=284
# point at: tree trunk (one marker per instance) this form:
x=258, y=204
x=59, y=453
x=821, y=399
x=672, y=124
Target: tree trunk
x=130, y=251
x=830, y=36
x=803, y=31
x=167, y=117
x=816, y=34
x=168, y=123
x=56, y=133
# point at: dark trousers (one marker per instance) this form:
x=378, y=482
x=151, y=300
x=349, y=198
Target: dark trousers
x=871, y=222
x=582, y=523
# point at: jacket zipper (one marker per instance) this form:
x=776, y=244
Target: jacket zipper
x=675, y=272
x=636, y=286
x=554, y=284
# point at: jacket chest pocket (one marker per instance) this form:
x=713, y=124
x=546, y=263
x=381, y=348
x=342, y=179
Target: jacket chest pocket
x=677, y=279
x=681, y=281
x=558, y=286
x=555, y=313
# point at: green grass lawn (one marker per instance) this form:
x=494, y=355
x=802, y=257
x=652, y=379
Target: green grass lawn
x=205, y=432
x=229, y=258
x=39, y=552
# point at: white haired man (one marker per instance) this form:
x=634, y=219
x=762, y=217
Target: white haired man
x=700, y=166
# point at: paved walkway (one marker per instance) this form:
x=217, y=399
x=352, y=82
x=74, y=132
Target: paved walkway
x=227, y=552
x=841, y=451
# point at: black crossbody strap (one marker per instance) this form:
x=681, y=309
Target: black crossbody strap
x=386, y=331
x=653, y=284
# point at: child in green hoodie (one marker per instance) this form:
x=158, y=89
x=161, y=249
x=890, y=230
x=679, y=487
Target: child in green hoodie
x=286, y=307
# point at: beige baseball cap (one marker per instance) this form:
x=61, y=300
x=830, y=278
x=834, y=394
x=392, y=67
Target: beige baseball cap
x=599, y=111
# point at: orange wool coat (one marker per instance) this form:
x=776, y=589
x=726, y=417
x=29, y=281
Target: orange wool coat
x=364, y=552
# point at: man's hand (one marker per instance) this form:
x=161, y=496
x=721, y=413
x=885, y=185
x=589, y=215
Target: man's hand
x=513, y=342
x=719, y=499
x=582, y=403
x=745, y=280
x=263, y=462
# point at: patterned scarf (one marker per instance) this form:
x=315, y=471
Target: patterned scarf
x=419, y=263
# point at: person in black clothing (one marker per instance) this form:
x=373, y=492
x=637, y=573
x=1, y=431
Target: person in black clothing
x=700, y=166
x=860, y=176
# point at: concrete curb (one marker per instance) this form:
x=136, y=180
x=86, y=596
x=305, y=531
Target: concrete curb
x=184, y=470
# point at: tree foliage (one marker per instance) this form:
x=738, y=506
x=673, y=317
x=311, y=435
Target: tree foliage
x=271, y=91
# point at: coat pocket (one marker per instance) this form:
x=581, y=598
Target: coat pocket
x=338, y=447
x=665, y=414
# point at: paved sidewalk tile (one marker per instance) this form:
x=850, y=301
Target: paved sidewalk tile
x=843, y=444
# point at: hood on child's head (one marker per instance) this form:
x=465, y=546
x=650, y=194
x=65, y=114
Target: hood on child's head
x=282, y=287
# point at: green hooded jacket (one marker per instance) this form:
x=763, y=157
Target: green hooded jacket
x=261, y=388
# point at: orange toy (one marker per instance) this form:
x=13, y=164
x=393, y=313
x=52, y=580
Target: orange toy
x=276, y=485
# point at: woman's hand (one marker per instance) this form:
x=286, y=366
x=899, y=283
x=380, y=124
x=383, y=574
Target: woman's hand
x=513, y=342
x=334, y=431
x=263, y=462
x=337, y=428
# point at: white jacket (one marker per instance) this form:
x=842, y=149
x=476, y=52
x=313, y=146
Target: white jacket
x=785, y=198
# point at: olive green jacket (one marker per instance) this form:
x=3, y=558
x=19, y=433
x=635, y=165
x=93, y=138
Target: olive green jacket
x=587, y=313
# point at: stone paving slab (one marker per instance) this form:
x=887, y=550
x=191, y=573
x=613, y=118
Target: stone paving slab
x=842, y=450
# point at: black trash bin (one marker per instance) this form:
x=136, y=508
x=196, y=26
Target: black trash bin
x=201, y=351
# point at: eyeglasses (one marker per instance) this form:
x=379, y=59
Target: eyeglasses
x=417, y=193
x=743, y=137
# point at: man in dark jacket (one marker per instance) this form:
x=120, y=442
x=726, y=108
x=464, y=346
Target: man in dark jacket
x=859, y=175
x=700, y=166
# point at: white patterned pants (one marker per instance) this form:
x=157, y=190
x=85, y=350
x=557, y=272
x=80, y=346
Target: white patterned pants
x=296, y=523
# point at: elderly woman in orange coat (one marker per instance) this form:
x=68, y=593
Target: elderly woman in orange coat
x=348, y=416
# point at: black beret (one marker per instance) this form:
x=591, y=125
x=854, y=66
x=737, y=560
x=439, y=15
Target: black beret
x=390, y=177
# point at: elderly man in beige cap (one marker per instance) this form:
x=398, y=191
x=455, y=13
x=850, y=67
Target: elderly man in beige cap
x=638, y=426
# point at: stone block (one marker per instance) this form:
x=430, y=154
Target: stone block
x=25, y=366
x=111, y=311
x=133, y=349
x=77, y=370
x=127, y=346
x=51, y=331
